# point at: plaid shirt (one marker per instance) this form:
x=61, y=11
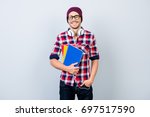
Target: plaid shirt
x=87, y=43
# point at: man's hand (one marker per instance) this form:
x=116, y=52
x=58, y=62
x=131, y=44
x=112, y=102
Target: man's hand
x=72, y=69
x=87, y=83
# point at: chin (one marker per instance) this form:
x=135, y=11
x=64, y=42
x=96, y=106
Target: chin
x=75, y=27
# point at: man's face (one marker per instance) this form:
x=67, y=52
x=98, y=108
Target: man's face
x=74, y=20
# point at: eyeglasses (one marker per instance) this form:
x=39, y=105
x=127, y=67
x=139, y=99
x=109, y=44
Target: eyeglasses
x=76, y=17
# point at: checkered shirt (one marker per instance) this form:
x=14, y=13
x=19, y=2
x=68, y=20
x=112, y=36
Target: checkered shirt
x=87, y=43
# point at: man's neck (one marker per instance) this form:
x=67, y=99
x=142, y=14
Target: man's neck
x=75, y=31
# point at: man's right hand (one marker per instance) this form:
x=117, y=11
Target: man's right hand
x=72, y=69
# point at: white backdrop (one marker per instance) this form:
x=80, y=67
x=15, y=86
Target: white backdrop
x=28, y=29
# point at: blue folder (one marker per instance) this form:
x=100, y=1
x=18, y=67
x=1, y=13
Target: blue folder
x=73, y=55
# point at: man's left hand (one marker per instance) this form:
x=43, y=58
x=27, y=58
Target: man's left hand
x=87, y=83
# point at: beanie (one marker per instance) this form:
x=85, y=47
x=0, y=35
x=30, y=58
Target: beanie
x=76, y=9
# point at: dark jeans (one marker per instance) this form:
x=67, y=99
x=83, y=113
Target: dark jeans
x=68, y=92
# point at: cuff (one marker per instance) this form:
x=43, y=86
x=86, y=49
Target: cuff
x=94, y=57
x=54, y=56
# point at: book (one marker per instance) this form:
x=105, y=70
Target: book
x=64, y=51
x=71, y=54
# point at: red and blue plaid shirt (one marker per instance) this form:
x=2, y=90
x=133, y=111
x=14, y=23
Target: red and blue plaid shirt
x=87, y=43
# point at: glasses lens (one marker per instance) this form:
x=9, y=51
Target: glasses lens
x=76, y=17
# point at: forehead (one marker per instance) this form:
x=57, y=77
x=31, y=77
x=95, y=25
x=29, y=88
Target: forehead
x=73, y=13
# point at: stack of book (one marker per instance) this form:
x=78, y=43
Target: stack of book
x=71, y=54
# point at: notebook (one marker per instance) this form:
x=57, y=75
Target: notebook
x=71, y=54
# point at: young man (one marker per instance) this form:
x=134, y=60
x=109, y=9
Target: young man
x=76, y=80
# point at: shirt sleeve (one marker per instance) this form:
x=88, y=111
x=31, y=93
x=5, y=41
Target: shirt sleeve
x=56, y=50
x=93, y=50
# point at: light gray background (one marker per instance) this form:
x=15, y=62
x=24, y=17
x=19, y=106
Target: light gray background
x=28, y=29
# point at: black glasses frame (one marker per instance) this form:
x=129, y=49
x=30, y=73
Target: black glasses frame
x=76, y=17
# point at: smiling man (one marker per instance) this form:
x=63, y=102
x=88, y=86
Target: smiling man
x=76, y=80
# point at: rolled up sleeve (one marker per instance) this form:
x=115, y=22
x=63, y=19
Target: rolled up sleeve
x=94, y=54
x=56, y=50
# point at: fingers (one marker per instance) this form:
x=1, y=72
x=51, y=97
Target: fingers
x=82, y=84
x=72, y=69
x=75, y=71
x=86, y=83
x=74, y=64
